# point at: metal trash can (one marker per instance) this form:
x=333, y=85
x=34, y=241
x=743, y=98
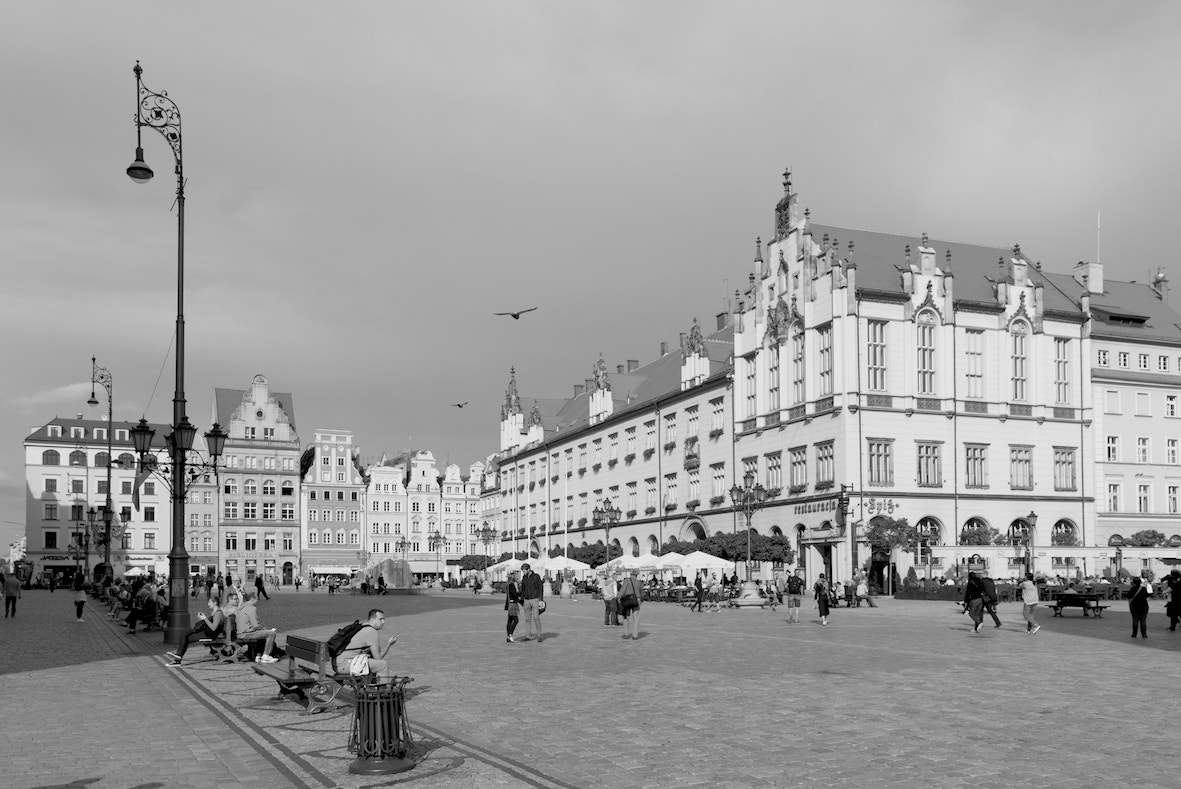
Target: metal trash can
x=381, y=731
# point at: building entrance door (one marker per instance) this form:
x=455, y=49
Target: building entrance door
x=288, y=572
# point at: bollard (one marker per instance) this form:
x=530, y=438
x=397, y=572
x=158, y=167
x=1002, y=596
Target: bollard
x=381, y=731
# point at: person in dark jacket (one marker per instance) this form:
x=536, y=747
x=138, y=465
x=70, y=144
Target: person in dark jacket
x=1138, y=606
x=512, y=604
x=532, y=592
x=974, y=595
x=990, y=599
x=1173, y=582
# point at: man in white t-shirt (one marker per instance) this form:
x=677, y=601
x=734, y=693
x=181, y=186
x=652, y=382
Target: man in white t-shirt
x=367, y=642
x=1029, y=601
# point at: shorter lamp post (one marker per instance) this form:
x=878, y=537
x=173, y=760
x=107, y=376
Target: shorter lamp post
x=749, y=499
x=605, y=517
x=487, y=535
x=436, y=544
x=1031, y=521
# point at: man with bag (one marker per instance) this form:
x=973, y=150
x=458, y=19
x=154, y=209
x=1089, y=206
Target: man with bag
x=532, y=591
x=795, y=596
x=610, y=608
x=366, y=642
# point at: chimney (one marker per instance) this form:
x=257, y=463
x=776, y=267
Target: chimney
x=663, y=348
x=579, y=389
x=1089, y=275
x=723, y=320
x=619, y=369
x=79, y=415
x=633, y=365
x=589, y=382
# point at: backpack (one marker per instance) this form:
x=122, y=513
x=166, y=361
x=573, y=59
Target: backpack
x=341, y=638
x=795, y=585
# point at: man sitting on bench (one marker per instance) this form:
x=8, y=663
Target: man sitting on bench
x=249, y=630
x=1086, y=603
x=367, y=641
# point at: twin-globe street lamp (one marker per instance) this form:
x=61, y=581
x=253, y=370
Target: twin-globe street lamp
x=749, y=499
x=157, y=111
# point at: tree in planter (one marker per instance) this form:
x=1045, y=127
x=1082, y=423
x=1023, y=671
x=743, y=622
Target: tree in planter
x=888, y=534
x=980, y=535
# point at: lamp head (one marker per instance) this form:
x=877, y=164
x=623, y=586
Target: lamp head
x=139, y=170
x=141, y=437
x=215, y=440
x=93, y=401
x=748, y=479
x=183, y=434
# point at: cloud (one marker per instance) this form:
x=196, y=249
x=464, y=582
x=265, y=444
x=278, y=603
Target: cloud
x=70, y=393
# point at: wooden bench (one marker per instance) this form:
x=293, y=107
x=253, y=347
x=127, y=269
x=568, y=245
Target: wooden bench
x=307, y=674
x=1086, y=602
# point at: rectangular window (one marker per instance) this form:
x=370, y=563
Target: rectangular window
x=880, y=452
x=1142, y=450
x=930, y=465
x=288, y=541
x=1020, y=362
x=876, y=355
x=207, y=544
x=1064, y=476
x=1143, y=498
x=1174, y=494
x=1142, y=361
x=1113, y=449
x=1171, y=451
x=670, y=489
x=649, y=436
x=974, y=339
x=250, y=542
x=749, y=366
x=694, y=491
x=797, y=367
x=926, y=353
x=231, y=541
x=629, y=447
x=51, y=484
x=718, y=473
x=194, y=543
x=773, y=377
x=798, y=458
x=1143, y=404
x=149, y=541
x=268, y=511
x=1162, y=364
x=149, y=514
x=1111, y=403
x=1171, y=406
x=125, y=487
x=50, y=512
x=1123, y=358
x=1021, y=467
x=650, y=498
x=231, y=510
x=313, y=537
x=976, y=465
x=824, y=352
x=825, y=464
x=1061, y=371
x=249, y=510
x=1104, y=358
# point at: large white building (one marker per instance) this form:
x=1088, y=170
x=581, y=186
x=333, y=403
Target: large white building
x=865, y=376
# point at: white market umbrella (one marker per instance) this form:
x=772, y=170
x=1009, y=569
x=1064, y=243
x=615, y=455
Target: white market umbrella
x=700, y=560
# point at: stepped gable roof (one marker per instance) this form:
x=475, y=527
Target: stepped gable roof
x=226, y=401
x=881, y=256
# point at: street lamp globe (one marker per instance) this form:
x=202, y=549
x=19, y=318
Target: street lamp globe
x=139, y=170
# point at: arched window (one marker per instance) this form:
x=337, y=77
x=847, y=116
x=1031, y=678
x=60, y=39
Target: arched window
x=78, y=458
x=1064, y=533
x=102, y=460
x=633, y=546
x=775, y=531
x=231, y=486
x=976, y=532
x=126, y=460
x=653, y=544
x=1019, y=532
x=288, y=488
x=1020, y=334
x=50, y=457
x=249, y=488
x=268, y=487
x=801, y=555
x=929, y=531
x=926, y=352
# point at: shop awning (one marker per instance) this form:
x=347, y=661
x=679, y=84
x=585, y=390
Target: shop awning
x=331, y=571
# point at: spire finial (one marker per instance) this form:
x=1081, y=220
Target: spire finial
x=787, y=180
x=758, y=249
x=924, y=239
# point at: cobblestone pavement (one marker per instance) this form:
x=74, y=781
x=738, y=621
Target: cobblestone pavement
x=903, y=695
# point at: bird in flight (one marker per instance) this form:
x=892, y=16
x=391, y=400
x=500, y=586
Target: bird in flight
x=516, y=315
x=460, y=405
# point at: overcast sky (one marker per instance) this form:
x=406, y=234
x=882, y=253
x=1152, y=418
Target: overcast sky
x=369, y=182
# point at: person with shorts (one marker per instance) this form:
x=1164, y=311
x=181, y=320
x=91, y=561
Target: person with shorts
x=367, y=642
x=1029, y=601
x=795, y=597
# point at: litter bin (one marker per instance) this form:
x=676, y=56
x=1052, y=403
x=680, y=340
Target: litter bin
x=381, y=731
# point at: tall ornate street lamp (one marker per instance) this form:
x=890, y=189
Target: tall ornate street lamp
x=436, y=544
x=158, y=111
x=605, y=517
x=101, y=376
x=749, y=498
x=1030, y=519
x=488, y=536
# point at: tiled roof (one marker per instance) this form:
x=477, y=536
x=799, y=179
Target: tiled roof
x=1133, y=299
x=40, y=435
x=226, y=401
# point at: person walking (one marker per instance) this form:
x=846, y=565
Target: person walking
x=821, y=592
x=1029, y=601
x=79, y=597
x=699, y=592
x=1138, y=606
x=512, y=604
x=1173, y=609
x=261, y=587
x=630, y=594
x=532, y=593
x=610, y=600
x=974, y=600
x=795, y=597
x=12, y=593
x=990, y=599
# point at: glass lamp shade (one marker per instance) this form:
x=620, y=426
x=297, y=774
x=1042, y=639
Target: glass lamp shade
x=615, y=514
x=736, y=494
x=183, y=434
x=139, y=170
x=141, y=437
x=748, y=479
x=215, y=439
x=1032, y=518
x=597, y=515
x=93, y=401
x=760, y=493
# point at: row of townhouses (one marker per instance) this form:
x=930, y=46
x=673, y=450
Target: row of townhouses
x=273, y=507
x=1018, y=417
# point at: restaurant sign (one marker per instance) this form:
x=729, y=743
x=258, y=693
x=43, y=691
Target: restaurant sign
x=828, y=505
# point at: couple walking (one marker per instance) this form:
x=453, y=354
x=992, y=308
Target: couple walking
x=623, y=599
x=527, y=598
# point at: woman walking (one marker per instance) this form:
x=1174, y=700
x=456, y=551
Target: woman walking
x=974, y=594
x=822, y=592
x=1138, y=606
x=79, y=597
x=512, y=604
x=631, y=586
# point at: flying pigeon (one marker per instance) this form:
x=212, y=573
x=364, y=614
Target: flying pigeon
x=460, y=405
x=516, y=315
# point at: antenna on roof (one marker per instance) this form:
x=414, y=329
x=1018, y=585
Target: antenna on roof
x=1098, y=234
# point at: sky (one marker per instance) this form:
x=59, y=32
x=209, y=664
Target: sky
x=367, y=183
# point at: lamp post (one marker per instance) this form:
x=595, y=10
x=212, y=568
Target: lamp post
x=436, y=543
x=605, y=517
x=1031, y=521
x=101, y=376
x=748, y=499
x=158, y=111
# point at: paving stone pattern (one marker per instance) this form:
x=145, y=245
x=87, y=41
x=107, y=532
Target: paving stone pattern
x=903, y=695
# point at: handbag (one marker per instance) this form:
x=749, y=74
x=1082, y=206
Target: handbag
x=627, y=603
x=359, y=665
